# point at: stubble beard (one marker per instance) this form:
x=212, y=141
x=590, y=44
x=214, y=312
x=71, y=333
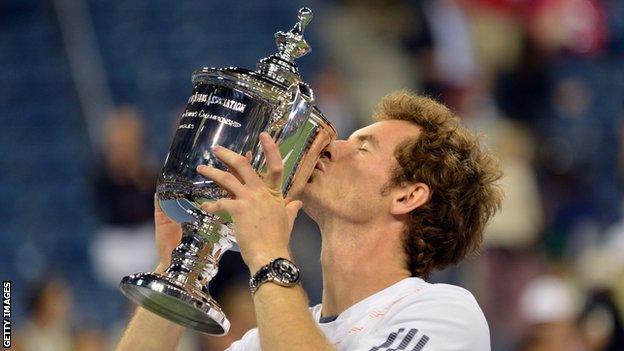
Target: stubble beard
x=317, y=199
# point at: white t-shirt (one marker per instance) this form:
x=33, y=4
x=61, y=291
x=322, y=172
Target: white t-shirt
x=411, y=315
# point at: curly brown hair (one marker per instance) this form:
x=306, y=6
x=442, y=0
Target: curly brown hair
x=462, y=177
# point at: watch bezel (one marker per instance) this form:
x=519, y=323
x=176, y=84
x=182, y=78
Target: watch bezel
x=277, y=272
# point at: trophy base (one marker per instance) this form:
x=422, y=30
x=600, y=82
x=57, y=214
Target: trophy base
x=162, y=296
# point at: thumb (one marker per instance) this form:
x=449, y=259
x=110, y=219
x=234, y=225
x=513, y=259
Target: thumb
x=292, y=209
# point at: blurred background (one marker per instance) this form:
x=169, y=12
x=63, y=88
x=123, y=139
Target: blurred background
x=90, y=92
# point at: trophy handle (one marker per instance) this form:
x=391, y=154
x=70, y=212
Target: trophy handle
x=285, y=125
x=299, y=108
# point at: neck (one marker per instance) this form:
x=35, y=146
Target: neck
x=358, y=261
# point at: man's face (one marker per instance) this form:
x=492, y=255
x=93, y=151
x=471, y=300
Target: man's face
x=351, y=174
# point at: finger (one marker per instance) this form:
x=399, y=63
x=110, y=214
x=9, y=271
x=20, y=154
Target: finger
x=288, y=199
x=275, y=168
x=160, y=218
x=226, y=205
x=224, y=179
x=156, y=204
x=248, y=157
x=235, y=174
x=238, y=164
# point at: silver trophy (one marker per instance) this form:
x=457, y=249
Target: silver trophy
x=228, y=107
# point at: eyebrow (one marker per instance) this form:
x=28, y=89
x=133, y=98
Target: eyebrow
x=370, y=138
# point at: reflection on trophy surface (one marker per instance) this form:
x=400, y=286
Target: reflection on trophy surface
x=229, y=107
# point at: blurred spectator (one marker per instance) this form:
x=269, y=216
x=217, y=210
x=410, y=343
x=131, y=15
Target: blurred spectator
x=548, y=299
x=48, y=326
x=333, y=99
x=497, y=34
x=601, y=268
x=601, y=263
x=550, y=307
x=454, y=59
x=508, y=260
x=573, y=26
x=124, y=181
x=125, y=176
x=522, y=91
x=601, y=322
x=364, y=38
x=520, y=221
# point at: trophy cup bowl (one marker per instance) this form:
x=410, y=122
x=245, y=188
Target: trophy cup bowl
x=229, y=107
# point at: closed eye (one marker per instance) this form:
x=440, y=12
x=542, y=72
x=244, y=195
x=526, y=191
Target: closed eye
x=364, y=140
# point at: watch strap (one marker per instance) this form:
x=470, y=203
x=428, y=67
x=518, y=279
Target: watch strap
x=261, y=276
x=267, y=274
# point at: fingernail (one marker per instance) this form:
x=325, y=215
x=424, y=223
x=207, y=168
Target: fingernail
x=216, y=148
x=203, y=168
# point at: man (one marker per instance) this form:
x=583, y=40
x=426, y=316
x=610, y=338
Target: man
x=400, y=198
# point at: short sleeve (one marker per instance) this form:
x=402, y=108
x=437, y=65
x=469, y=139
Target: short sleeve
x=249, y=342
x=439, y=321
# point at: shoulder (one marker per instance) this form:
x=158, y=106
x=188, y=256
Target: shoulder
x=447, y=316
x=448, y=296
x=438, y=302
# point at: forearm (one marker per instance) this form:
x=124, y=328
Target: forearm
x=284, y=321
x=148, y=331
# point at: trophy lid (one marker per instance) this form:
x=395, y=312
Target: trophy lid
x=291, y=45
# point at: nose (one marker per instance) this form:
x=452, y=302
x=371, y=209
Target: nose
x=331, y=151
x=327, y=151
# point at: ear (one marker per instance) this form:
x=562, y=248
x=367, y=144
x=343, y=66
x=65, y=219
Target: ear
x=409, y=197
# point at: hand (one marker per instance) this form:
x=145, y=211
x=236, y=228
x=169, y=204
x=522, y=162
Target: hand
x=262, y=218
x=168, y=235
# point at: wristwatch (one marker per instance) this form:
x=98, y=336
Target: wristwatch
x=280, y=271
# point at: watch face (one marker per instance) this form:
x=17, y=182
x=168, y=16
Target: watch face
x=285, y=271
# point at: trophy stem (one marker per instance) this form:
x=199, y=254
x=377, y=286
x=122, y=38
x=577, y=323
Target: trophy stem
x=195, y=261
x=181, y=294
